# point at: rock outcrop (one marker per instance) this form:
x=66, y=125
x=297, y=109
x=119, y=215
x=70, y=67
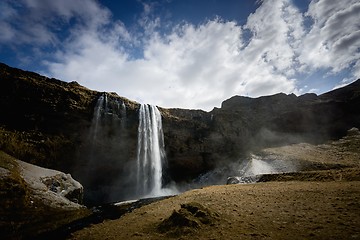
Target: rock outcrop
x=190, y=217
x=51, y=186
x=35, y=199
x=47, y=122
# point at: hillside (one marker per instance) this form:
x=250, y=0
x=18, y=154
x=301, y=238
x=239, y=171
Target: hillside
x=312, y=204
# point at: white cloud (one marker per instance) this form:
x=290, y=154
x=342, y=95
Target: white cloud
x=193, y=66
x=343, y=83
x=36, y=21
x=334, y=39
x=356, y=70
x=277, y=29
x=197, y=66
x=6, y=32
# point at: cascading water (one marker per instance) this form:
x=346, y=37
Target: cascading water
x=106, y=165
x=107, y=114
x=104, y=151
x=123, y=113
x=150, y=152
x=97, y=118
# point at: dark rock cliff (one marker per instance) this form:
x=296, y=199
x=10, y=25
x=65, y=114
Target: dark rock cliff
x=47, y=122
x=198, y=141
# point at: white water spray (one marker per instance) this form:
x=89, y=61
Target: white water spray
x=150, y=151
x=257, y=166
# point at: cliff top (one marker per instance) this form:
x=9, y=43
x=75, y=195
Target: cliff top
x=345, y=93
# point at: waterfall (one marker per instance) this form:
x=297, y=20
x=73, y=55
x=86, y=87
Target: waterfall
x=150, y=151
x=104, y=151
x=115, y=165
x=97, y=117
x=108, y=113
x=123, y=113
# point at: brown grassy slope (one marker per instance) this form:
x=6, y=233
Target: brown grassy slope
x=345, y=151
x=275, y=210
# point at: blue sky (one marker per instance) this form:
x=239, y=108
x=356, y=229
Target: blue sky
x=186, y=53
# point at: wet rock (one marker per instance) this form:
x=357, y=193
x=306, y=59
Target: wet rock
x=243, y=180
x=64, y=185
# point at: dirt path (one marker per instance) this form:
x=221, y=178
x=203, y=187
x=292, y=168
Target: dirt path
x=274, y=210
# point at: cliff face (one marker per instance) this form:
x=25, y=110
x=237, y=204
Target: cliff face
x=199, y=141
x=48, y=122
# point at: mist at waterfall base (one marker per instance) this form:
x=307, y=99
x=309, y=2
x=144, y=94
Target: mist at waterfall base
x=123, y=155
x=250, y=168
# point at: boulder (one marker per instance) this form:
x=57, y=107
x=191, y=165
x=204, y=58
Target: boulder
x=243, y=180
x=188, y=218
x=65, y=186
x=34, y=200
x=53, y=186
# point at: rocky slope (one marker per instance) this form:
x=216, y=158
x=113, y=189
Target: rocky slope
x=48, y=122
x=35, y=199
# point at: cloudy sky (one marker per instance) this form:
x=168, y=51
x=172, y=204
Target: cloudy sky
x=186, y=53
